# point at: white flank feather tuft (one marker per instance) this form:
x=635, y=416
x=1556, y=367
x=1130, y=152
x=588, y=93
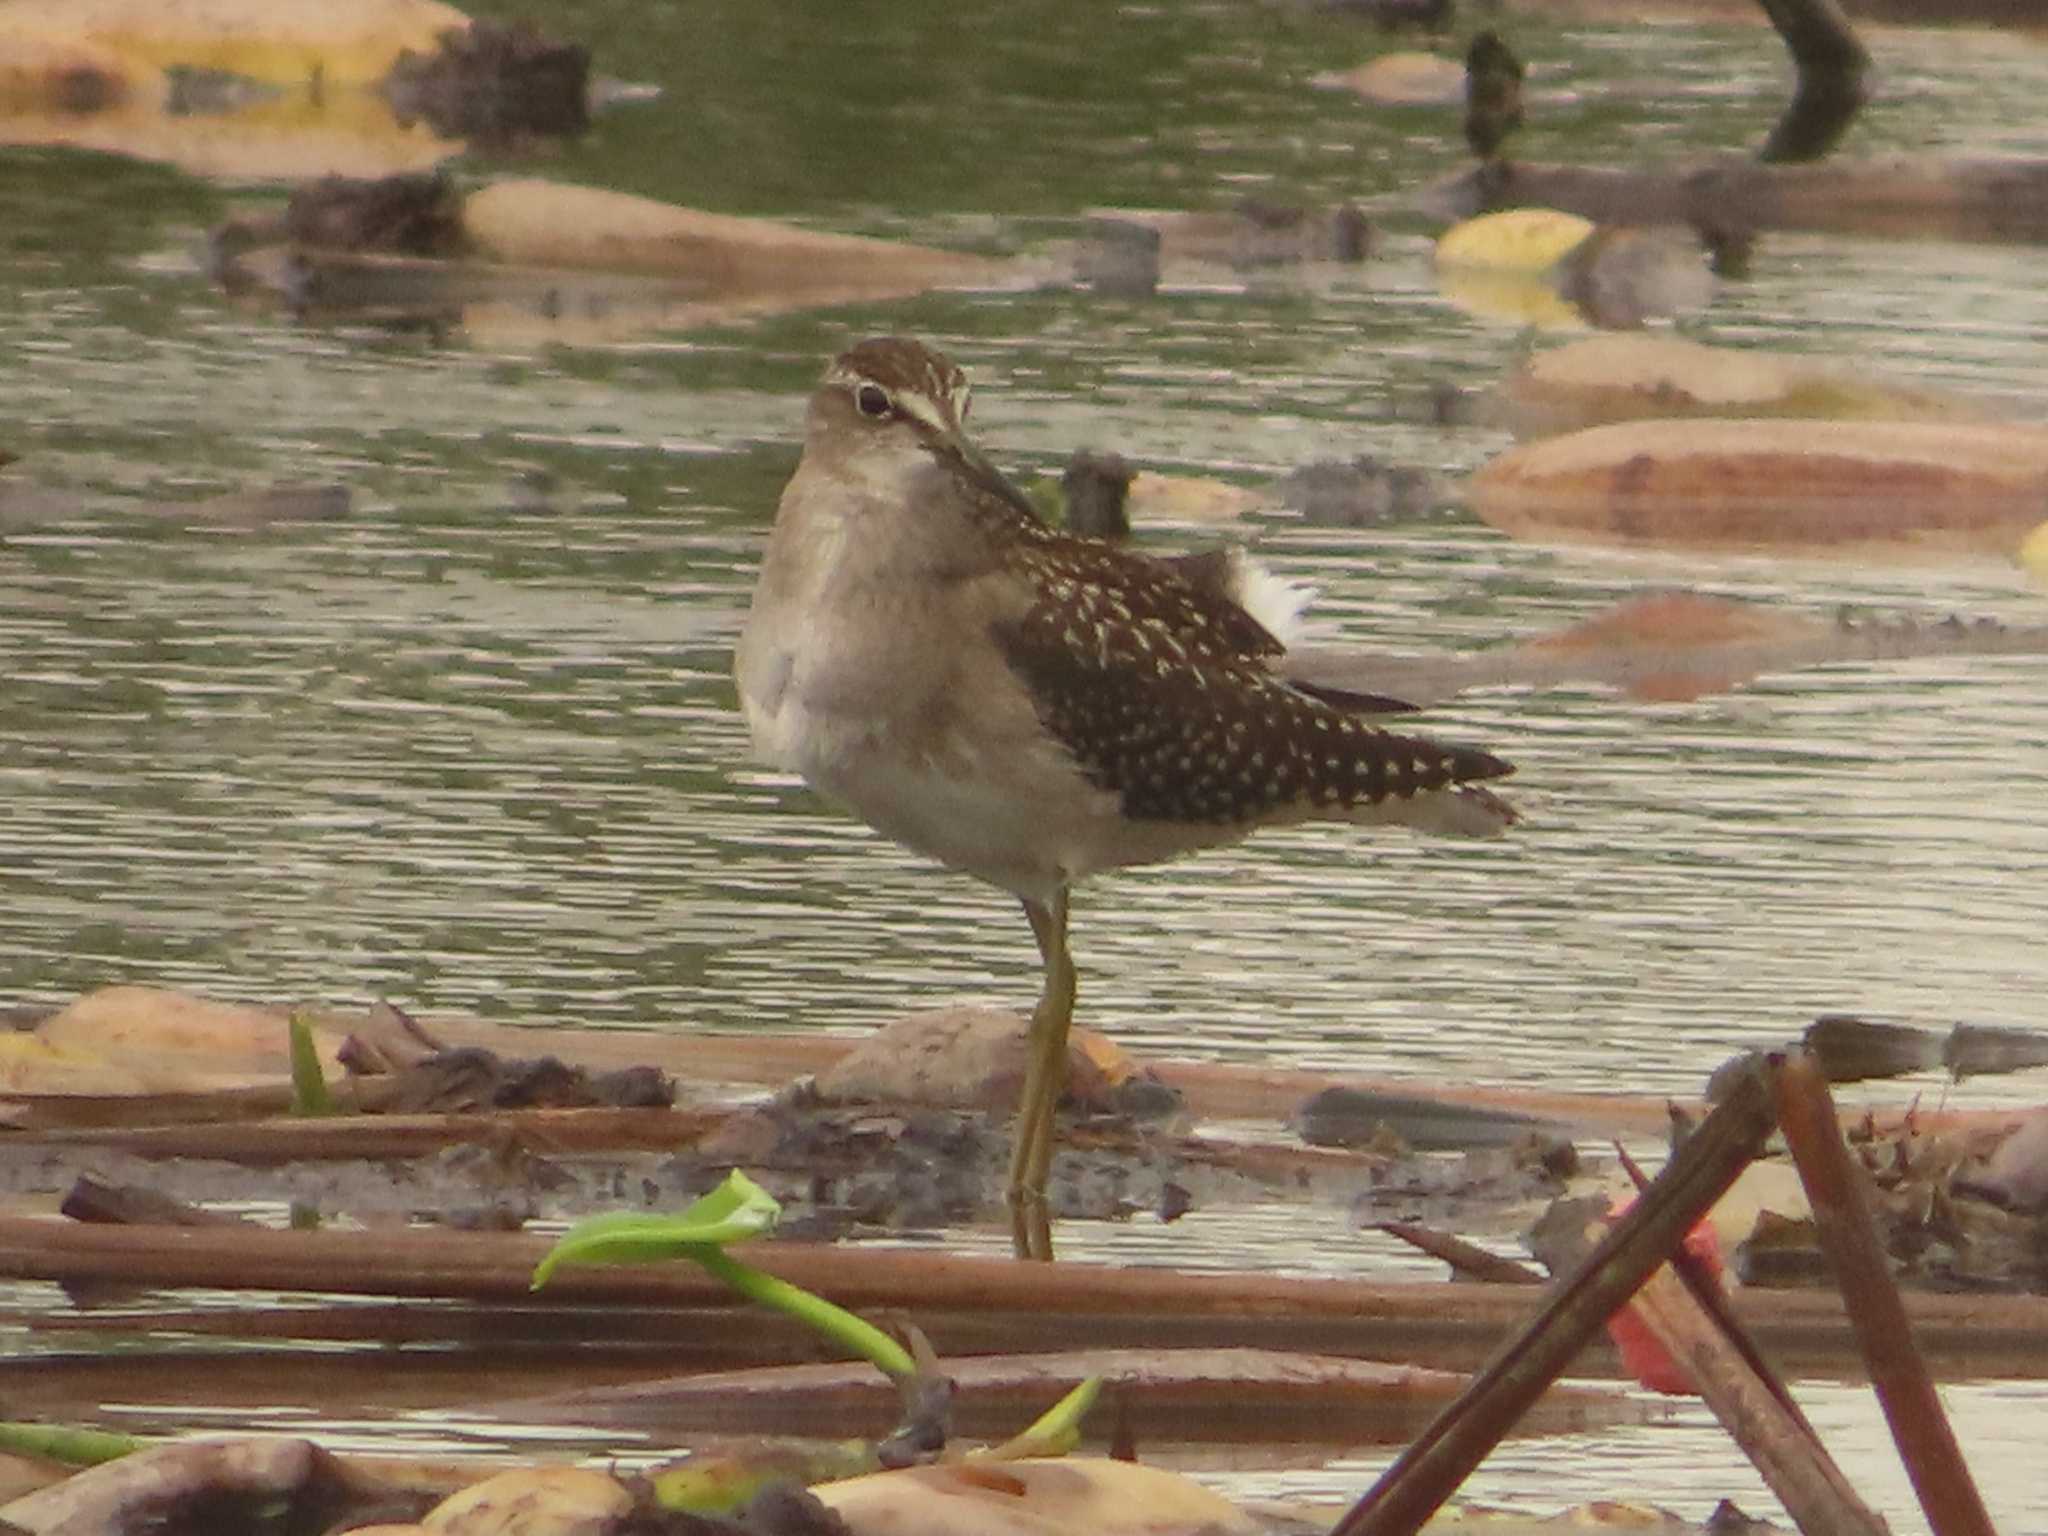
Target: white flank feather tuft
x=1269, y=597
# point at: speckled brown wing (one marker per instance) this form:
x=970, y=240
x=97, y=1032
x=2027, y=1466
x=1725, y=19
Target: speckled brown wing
x=1162, y=692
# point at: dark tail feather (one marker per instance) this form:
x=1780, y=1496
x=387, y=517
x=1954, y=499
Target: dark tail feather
x=1357, y=703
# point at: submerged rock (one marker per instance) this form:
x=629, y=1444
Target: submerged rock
x=494, y=85
x=273, y=1482
x=399, y=215
x=1125, y=249
x=1359, y=493
x=1402, y=80
x=1603, y=379
x=1537, y=266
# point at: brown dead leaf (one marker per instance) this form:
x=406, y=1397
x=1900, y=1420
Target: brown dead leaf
x=162, y=1041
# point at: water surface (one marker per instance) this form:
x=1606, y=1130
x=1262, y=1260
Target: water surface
x=473, y=747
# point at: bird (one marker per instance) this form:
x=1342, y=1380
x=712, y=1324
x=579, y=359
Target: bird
x=1033, y=707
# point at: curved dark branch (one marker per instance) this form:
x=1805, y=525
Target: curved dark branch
x=1833, y=69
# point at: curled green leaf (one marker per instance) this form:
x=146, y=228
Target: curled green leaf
x=738, y=1209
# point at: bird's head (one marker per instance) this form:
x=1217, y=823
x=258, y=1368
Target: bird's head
x=890, y=394
x=890, y=415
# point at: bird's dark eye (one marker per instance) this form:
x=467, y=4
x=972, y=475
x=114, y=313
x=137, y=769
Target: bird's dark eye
x=872, y=401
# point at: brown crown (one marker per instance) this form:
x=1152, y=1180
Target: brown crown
x=900, y=364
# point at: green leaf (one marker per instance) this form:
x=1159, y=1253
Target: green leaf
x=1055, y=1432
x=73, y=1447
x=721, y=1482
x=738, y=1209
x=309, y=1086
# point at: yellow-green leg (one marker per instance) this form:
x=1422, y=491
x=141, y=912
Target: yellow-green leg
x=1045, y=1080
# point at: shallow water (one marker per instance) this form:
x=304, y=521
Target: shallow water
x=473, y=746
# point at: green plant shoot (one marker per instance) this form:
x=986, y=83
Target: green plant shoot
x=1055, y=1432
x=309, y=1086
x=738, y=1209
x=72, y=1447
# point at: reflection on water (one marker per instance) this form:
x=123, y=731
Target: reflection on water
x=473, y=746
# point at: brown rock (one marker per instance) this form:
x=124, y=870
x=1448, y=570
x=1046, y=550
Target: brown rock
x=964, y=1058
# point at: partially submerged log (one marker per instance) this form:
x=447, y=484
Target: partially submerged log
x=1605, y=379
x=1907, y=487
x=870, y=1168
x=1025, y=1498
x=1222, y=1394
x=1248, y=237
x=272, y=1142
x=529, y=222
x=156, y=1026
x=1729, y=199
x=967, y=1305
x=1670, y=646
x=2021, y=15
x=523, y=256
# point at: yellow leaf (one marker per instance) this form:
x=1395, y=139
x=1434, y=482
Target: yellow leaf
x=2034, y=554
x=284, y=42
x=1530, y=240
